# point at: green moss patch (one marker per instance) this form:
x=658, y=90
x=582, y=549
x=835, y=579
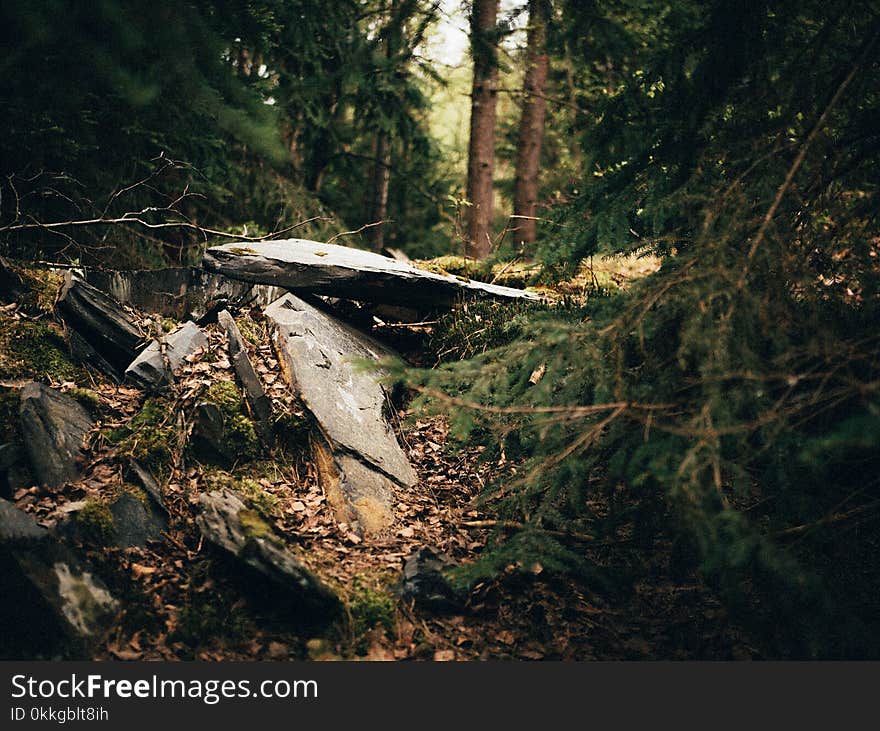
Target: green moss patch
x=95, y=522
x=33, y=349
x=150, y=436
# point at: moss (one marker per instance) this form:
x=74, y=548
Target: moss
x=241, y=437
x=42, y=286
x=147, y=438
x=260, y=499
x=168, y=325
x=370, y=604
x=127, y=488
x=87, y=398
x=95, y=522
x=254, y=526
x=32, y=349
x=456, y=266
x=209, y=617
x=226, y=396
x=241, y=250
x=254, y=331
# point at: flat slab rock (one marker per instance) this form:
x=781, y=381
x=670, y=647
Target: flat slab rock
x=228, y=525
x=157, y=363
x=356, y=450
x=339, y=271
x=53, y=426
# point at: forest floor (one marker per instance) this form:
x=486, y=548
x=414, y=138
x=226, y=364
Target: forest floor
x=180, y=601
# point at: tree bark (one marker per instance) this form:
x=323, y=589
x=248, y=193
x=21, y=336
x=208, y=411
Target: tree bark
x=531, y=128
x=481, y=150
x=380, y=181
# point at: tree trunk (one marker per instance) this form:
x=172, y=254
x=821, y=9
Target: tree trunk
x=531, y=127
x=380, y=180
x=481, y=150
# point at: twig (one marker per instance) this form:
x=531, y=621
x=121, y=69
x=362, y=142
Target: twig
x=358, y=230
x=801, y=156
x=134, y=218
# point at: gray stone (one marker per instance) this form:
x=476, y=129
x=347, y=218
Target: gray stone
x=424, y=582
x=53, y=427
x=359, y=459
x=208, y=437
x=229, y=526
x=18, y=527
x=136, y=522
x=185, y=293
x=156, y=365
x=143, y=477
x=339, y=271
x=107, y=337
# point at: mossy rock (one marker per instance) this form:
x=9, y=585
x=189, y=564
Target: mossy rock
x=254, y=494
x=95, y=522
x=87, y=398
x=226, y=396
x=42, y=287
x=32, y=349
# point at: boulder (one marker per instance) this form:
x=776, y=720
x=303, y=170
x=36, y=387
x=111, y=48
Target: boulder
x=339, y=271
x=228, y=525
x=53, y=427
x=357, y=453
x=156, y=365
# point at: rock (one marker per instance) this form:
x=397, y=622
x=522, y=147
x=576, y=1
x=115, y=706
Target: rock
x=339, y=271
x=257, y=400
x=11, y=457
x=424, y=582
x=53, y=427
x=154, y=368
x=145, y=479
x=359, y=459
x=18, y=527
x=229, y=526
x=51, y=602
x=136, y=522
x=184, y=293
x=108, y=338
x=208, y=435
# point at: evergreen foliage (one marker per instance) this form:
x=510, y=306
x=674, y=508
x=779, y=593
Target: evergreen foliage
x=728, y=402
